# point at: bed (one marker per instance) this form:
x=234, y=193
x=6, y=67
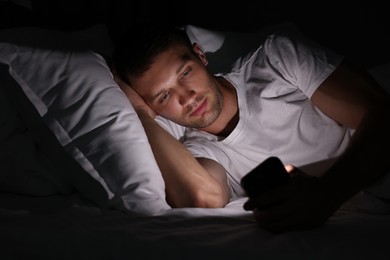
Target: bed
x=80, y=182
x=69, y=230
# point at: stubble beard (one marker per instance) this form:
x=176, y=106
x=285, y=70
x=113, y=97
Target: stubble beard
x=211, y=115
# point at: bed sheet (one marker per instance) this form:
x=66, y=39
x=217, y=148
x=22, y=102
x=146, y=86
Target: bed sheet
x=59, y=227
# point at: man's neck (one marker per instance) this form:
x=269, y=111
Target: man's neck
x=229, y=117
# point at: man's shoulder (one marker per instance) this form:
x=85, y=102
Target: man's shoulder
x=174, y=129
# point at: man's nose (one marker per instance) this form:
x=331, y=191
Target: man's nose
x=186, y=96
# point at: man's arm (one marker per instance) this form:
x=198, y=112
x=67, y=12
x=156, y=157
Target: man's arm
x=351, y=98
x=189, y=182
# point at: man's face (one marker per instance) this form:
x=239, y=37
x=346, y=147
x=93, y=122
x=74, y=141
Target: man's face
x=178, y=87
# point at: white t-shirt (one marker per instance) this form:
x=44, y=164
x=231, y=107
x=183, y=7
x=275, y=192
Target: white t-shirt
x=274, y=84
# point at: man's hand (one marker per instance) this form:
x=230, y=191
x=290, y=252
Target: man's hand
x=302, y=203
x=136, y=100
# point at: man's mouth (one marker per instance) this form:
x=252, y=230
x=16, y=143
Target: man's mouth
x=200, y=109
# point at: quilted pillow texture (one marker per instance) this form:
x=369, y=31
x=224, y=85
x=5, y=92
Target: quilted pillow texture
x=78, y=100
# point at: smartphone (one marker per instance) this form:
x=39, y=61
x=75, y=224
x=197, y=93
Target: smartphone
x=267, y=175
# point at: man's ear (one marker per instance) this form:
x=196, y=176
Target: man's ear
x=198, y=50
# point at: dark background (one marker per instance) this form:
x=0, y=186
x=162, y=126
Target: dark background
x=358, y=29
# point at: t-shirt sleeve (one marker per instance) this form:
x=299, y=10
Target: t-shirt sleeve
x=201, y=148
x=174, y=129
x=301, y=61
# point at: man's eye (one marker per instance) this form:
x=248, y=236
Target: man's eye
x=164, y=97
x=186, y=73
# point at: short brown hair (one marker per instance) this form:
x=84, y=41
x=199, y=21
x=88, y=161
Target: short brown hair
x=135, y=52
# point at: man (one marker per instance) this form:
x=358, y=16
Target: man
x=289, y=98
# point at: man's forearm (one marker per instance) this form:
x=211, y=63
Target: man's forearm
x=188, y=183
x=365, y=160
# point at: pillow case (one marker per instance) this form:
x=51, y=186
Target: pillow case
x=223, y=48
x=92, y=119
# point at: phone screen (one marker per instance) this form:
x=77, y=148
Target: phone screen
x=267, y=175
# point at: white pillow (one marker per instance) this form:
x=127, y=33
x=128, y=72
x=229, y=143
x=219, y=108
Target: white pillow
x=223, y=48
x=76, y=96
